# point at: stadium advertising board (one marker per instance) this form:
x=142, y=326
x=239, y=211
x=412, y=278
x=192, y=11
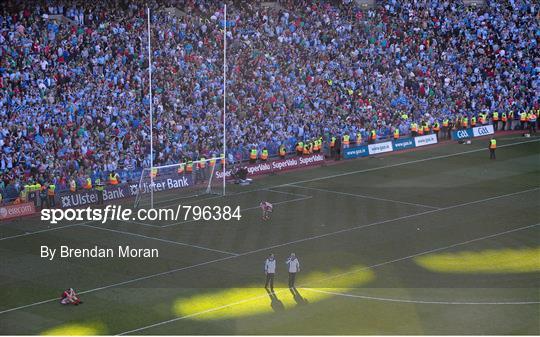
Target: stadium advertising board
x=380, y=148
x=87, y=197
x=478, y=131
x=278, y=165
x=17, y=210
x=483, y=130
x=462, y=134
x=425, y=140
x=355, y=152
x=403, y=143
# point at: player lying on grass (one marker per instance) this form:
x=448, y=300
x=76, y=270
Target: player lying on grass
x=70, y=297
x=266, y=209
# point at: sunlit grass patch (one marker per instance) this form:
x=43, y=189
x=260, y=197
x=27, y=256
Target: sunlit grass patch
x=255, y=300
x=76, y=329
x=500, y=261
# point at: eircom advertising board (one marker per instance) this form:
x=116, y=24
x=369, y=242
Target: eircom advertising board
x=396, y=145
x=478, y=131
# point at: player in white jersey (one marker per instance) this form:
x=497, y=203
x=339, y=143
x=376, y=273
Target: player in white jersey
x=266, y=209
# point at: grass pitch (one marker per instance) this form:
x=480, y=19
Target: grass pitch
x=436, y=241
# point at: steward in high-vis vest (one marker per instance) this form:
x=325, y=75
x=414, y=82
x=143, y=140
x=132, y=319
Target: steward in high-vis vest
x=282, y=152
x=189, y=167
x=264, y=154
x=333, y=141
x=346, y=140
x=299, y=148
x=473, y=121
x=425, y=125
x=465, y=122
x=511, y=117
x=492, y=147
x=305, y=151
x=420, y=130
x=358, y=138
x=253, y=155
x=202, y=163
x=396, y=133
x=181, y=168
x=212, y=162
x=88, y=184
x=316, y=146
x=372, y=136
x=522, y=119
x=113, y=178
x=504, y=119
x=495, y=120
x=531, y=119
x=436, y=129
x=445, y=126
x=99, y=189
x=51, y=192
x=414, y=129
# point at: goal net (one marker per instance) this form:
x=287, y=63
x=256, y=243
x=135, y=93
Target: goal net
x=178, y=181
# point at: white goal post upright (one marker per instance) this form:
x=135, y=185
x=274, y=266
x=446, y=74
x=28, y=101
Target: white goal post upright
x=151, y=113
x=224, y=93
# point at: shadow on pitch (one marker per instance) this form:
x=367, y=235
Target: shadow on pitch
x=275, y=302
x=300, y=300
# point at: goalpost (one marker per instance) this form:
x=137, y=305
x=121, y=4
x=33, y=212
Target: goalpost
x=187, y=180
x=152, y=172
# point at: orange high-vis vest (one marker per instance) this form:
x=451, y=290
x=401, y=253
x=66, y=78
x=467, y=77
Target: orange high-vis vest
x=253, y=154
x=396, y=134
x=493, y=144
x=358, y=138
x=426, y=128
x=420, y=131
x=212, y=162
x=264, y=154
x=113, y=180
x=414, y=128
x=282, y=151
x=189, y=167
x=180, y=168
x=346, y=139
x=373, y=135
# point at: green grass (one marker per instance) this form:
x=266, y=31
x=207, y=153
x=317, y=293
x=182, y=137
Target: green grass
x=430, y=234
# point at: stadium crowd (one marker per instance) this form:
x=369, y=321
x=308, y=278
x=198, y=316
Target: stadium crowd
x=74, y=95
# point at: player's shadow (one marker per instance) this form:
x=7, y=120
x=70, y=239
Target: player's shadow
x=275, y=302
x=298, y=297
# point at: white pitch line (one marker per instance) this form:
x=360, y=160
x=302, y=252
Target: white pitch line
x=168, y=272
x=399, y=300
x=367, y=197
x=162, y=240
x=288, y=193
x=42, y=231
x=322, y=279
